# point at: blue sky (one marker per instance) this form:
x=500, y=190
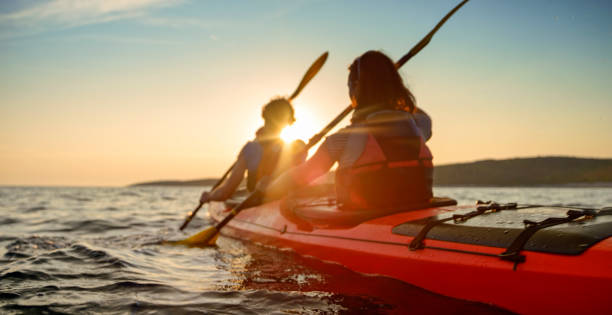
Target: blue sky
x=112, y=92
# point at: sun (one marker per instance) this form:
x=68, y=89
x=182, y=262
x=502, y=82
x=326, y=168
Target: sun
x=302, y=129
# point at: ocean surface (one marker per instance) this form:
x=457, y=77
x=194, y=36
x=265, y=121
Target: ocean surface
x=88, y=250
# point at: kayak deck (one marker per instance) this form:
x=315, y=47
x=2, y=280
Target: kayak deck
x=467, y=270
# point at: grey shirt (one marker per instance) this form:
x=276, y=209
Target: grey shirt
x=346, y=150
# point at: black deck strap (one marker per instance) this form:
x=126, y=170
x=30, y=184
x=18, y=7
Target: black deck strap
x=491, y=207
x=419, y=240
x=513, y=252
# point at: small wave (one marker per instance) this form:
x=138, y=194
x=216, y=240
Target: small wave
x=7, y=238
x=85, y=275
x=35, y=209
x=90, y=226
x=7, y=221
x=12, y=255
x=129, y=193
x=37, y=243
x=35, y=309
x=60, y=256
x=22, y=275
x=75, y=198
x=91, y=253
x=129, y=241
x=99, y=257
x=8, y=296
x=131, y=286
x=120, y=287
x=32, y=248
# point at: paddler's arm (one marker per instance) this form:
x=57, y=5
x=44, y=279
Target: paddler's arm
x=228, y=187
x=300, y=175
x=299, y=152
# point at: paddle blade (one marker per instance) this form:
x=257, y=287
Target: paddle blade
x=420, y=45
x=312, y=71
x=205, y=238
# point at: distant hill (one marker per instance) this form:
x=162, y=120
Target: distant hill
x=538, y=171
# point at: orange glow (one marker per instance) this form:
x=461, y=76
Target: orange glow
x=302, y=129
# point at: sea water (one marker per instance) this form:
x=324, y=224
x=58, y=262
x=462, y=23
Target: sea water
x=89, y=250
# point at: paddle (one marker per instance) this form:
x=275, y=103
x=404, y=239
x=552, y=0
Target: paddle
x=208, y=236
x=415, y=50
x=310, y=73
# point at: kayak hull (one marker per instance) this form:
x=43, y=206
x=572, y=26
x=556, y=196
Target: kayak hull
x=545, y=283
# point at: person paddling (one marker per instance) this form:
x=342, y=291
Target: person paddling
x=265, y=156
x=382, y=157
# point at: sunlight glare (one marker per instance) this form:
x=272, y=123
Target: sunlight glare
x=302, y=129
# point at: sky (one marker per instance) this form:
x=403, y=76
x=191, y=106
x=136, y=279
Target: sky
x=112, y=92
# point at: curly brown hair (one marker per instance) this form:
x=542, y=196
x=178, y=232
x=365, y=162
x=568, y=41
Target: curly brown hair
x=278, y=111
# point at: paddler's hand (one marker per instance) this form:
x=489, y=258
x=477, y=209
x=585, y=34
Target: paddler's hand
x=205, y=197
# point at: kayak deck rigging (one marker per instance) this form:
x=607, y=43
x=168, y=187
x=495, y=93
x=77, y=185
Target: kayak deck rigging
x=515, y=229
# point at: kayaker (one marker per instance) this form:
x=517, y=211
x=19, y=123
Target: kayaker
x=266, y=155
x=382, y=157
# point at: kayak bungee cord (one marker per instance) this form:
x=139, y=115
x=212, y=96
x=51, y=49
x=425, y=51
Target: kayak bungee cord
x=310, y=73
x=208, y=236
x=513, y=252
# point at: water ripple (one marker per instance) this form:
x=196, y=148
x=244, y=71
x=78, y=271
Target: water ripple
x=35, y=209
x=7, y=221
x=90, y=226
x=99, y=257
x=25, y=275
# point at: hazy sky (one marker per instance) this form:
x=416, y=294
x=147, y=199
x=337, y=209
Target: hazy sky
x=105, y=92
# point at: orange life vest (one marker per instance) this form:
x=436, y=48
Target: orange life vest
x=394, y=169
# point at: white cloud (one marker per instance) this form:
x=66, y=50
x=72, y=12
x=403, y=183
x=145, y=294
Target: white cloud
x=121, y=40
x=70, y=13
x=175, y=22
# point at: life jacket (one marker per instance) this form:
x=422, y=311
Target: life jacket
x=394, y=169
x=271, y=152
x=276, y=157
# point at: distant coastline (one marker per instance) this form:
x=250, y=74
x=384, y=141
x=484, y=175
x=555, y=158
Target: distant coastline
x=522, y=172
x=553, y=171
x=195, y=182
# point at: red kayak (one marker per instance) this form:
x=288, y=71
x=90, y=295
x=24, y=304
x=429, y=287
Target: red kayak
x=527, y=259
